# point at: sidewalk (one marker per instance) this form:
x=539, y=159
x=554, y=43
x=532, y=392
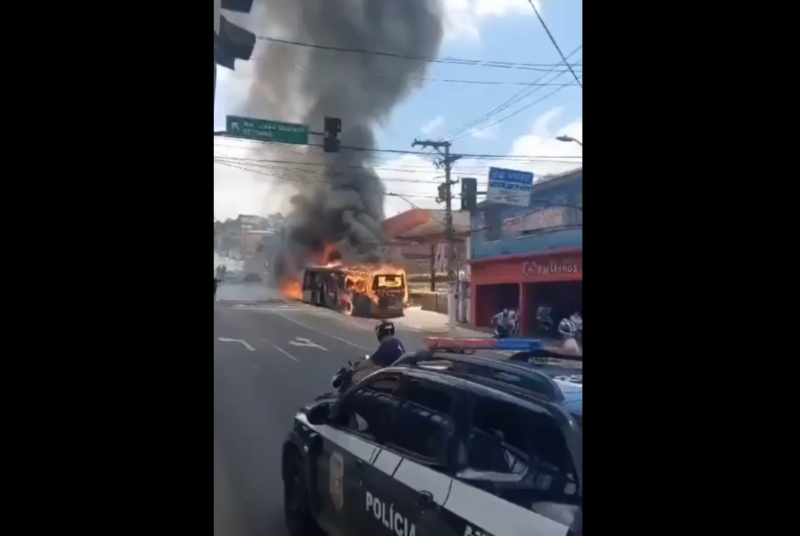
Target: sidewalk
x=436, y=323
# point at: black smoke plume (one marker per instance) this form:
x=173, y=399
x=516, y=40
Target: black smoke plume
x=343, y=205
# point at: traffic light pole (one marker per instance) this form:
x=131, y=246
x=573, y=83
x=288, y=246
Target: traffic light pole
x=452, y=275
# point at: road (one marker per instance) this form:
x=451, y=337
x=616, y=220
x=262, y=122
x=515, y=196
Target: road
x=259, y=383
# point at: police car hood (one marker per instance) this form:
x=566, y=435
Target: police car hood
x=562, y=371
x=569, y=377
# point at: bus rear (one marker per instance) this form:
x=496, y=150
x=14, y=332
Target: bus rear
x=391, y=291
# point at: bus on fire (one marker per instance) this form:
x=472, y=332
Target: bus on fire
x=356, y=291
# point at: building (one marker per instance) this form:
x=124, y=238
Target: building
x=524, y=258
x=418, y=238
x=417, y=235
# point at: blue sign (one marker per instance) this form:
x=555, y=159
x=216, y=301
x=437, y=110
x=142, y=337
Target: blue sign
x=510, y=175
x=509, y=187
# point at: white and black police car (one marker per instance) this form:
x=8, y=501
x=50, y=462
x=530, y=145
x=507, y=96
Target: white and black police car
x=442, y=443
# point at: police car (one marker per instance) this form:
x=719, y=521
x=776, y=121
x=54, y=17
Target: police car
x=442, y=443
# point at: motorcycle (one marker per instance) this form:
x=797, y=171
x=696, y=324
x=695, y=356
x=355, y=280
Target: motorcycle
x=343, y=377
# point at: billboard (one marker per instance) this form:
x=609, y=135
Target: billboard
x=509, y=187
x=541, y=219
x=248, y=222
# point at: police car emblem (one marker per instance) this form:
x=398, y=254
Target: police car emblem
x=336, y=480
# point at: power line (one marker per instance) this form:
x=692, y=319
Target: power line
x=512, y=114
x=323, y=173
x=553, y=40
x=453, y=61
x=509, y=102
x=440, y=80
x=415, y=169
x=423, y=153
x=311, y=182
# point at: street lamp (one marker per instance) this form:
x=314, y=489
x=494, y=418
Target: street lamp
x=568, y=139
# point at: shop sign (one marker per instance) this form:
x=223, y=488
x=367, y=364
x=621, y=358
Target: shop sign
x=532, y=268
x=541, y=219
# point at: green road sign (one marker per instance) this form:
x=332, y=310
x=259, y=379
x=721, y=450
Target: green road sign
x=263, y=129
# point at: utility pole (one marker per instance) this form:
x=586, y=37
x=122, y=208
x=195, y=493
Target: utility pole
x=445, y=194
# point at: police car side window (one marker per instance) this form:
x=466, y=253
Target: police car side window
x=518, y=455
x=424, y=424
x=370, y=409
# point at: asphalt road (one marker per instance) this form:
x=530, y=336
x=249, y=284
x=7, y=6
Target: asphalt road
x=288, y=355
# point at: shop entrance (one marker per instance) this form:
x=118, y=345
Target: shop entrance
x=563, y=297
x=491, y=299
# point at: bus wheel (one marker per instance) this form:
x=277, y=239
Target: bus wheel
x=348, y=308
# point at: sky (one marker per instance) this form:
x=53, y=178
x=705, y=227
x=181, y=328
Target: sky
x=486, y=30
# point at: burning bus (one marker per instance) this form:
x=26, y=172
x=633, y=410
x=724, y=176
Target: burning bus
x=366, y=291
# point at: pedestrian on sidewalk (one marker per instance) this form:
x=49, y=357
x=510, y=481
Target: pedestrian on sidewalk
x=568, y=329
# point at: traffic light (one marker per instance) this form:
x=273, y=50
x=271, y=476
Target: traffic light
x=232, y=42
x=331, y=130
x=469, y=194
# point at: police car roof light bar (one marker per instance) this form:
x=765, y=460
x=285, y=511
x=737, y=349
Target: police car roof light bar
x=456, y=344
x=538, y=382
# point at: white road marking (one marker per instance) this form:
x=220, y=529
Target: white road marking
x=302, y=341
x=240, y=341
x=321, y=332
x=281, y=350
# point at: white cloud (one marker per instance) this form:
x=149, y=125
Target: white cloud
x=463, y=17
x=239, y=191
x=422, y=179
x=431, y=126
x=542, y=142
x=489, y=133
x=242, y=192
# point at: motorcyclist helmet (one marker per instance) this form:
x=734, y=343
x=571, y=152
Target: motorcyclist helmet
x=384, y=329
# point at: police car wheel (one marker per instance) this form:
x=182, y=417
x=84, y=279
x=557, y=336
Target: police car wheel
x=295, y=501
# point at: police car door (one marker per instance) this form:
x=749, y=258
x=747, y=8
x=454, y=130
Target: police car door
x=520, y=474
x=409, y=481
x=359, y=421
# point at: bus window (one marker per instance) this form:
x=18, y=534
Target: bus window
x=308, y=280
x=389, y=281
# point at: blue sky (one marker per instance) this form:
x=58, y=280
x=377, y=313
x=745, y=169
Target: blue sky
x=493, y=30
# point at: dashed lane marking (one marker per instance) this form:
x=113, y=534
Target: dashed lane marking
x=281, y=350
x=240, y=341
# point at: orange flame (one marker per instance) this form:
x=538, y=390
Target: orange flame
x=292, y=290
x=359, y=277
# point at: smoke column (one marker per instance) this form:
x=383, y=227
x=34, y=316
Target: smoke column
x=344, y=204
